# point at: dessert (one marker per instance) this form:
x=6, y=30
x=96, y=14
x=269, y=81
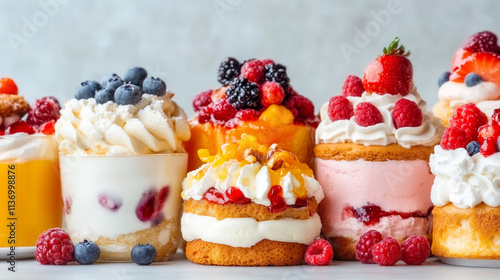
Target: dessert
x=474, y=77
x=256, y=98
x=122, y=164
x=465, y=191
x=28, y=158
x=373, y=146
x=250, y=205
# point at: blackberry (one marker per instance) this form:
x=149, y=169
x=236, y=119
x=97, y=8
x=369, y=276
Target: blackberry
x=229, y=68
x=277, y=73
x=243, y=94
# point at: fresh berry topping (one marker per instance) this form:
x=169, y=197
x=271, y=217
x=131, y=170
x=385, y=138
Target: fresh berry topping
x=473, y=148
x=366, y=114
x=300, y=106
x=278, y=202
x=484, y=41
x=201, y=100
x=271, y=93
x=114, y=82
x=443, y=78
x=390, y=73
x=54, y=246
x=496, y=116
x=104, y=95
x=415, y=250
x=110, y=202
x=254, y=71
x=47, y=128
x=205, y=114
x=353, y=86
x=222, y=111
x=473, y=79
x=488, y=136
x=459, y=57
x=277, y=73
x=151, y=204
x=43, y=110
x=87, y=90
x=236, y=195
x=86, y=252
x=143, y=254
x=105, y=79
x=339, y=108
x=320, y=252
x=215, y=196
x=135, y=75
x=406, y=113
x=8, y=86
x=486, y=65
x=365, y=244
x=20, y=127
x=155, y=86
x=469, y=118
x=267, y=61
x=247, y=115
x=386, y=252
x=243, y=94
x=454, y=138
x=229, y=69
x=128, y=94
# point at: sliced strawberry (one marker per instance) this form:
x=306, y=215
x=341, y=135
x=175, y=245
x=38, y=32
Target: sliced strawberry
x=7, y=85
x=20, y=127
x=47, y=128
x=459, y=57
x=486, y=65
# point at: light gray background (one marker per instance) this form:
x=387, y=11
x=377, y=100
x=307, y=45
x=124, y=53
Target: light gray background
x=183, y=42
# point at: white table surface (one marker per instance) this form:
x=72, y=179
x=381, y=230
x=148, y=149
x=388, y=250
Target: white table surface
x=180, y=268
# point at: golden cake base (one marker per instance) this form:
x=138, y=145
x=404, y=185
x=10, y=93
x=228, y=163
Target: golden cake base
x=351, y=151
x=442, y=111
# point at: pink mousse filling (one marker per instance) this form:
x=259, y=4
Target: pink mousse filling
x=392, y=197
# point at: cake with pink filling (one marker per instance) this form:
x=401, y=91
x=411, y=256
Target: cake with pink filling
x=373, y=147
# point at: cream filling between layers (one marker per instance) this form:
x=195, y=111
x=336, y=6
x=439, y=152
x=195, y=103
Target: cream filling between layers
x=485, y=95
x=246, y=232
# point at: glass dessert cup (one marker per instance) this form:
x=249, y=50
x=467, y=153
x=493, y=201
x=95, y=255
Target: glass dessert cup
x=119, y=201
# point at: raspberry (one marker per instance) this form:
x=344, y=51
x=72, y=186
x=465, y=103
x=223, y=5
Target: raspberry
x=406, y=113
x=415, y=250
x=320, y=252
x=205, y=115
x=229, y=69
x=365, y=244
x=271, y=93
x=54, y=246
x=43, y=110
x=353, y=86
x=454, y=138
x=484, y=41
x=150, y=205
x=243, y=94
x=277, y=73
x=267, y=61
x=300, y=106
x=254, y=71
x=222, y=111
x=19, y=127
x=386, y=252
x=290, y=91
x=47, y=128
x=469, y=118
x=366, y=114
x=202, y=100
x=247, y=115
x=339, y=108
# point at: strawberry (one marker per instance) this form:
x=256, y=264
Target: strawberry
x=459, y=57
x=486, y=65
x=391, y=72
x=7, y=85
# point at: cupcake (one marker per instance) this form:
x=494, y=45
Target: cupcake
x=474, y=77
x=373, y=146
x=28, y=158
x=256, y=98
x=122, y=164
x=250, y=205
x=465, y=191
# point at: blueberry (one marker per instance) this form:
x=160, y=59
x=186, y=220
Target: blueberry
x=104, y=95
x=472, y=79
x=87, y=90
x=127, y=94
x=473, y=148
x=143, y=254
x=135, y=75
x=444, y=78
x=115, y=82
x=106, y=78
x=86, y=252
x=156, y=86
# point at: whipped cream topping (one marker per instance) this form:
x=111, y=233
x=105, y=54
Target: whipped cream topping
x=154, y=125
x=485, y=95
x=246, y=232
x=384, y=133
x=21, y=147
x=253, y=180
x=463, y=180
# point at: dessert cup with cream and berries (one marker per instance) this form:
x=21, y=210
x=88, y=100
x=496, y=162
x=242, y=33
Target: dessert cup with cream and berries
x=28, y=158
x=250, y=205
x=256, y=98
x=465, y=192
x=373, y=146
x=475, y=77
x=122, y=164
